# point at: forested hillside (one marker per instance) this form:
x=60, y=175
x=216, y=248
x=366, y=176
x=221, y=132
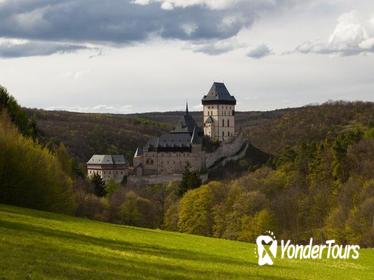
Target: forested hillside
x=318, y=181
x=307, y=124
x=88, y=134
x=31, y=175
x=85, y=134
x=323, y=190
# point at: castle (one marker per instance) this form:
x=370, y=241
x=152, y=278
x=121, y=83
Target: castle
x=183, y=146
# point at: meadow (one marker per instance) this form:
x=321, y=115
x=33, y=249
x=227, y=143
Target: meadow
x=42, y=245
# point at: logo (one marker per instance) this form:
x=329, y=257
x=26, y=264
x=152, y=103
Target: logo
x=266, y=248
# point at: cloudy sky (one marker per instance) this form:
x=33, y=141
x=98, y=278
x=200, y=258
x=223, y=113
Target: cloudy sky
x=125, y=56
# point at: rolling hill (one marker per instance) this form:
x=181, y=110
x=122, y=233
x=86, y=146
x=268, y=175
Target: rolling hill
x=87, y=133
x=42, y=245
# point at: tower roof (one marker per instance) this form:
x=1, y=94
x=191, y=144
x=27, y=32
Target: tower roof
x=218, y=94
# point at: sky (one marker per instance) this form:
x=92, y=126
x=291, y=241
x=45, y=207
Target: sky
x=129, y=56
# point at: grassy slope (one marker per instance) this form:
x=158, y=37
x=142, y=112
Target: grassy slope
x=39, y=245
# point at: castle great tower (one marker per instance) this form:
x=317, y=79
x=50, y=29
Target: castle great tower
x=219, y=113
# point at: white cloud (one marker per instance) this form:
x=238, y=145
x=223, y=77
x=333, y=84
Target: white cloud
x=27, y=21
x=189, y=28
x=101, y=108
x=349, y=32
x=217, y=47
x=75, y=75
x=367, y=44
x=372, y=21
x=351, y=36
x=141, y=2
x=259, y=52
x=171, y=4
x=13, y=48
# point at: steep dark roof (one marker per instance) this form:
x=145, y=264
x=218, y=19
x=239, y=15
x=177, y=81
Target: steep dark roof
x=180, y=139
x=185, y=124
x=218, y=94
x=170, y=142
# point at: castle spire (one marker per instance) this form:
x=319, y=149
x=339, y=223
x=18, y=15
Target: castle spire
x=186, y=107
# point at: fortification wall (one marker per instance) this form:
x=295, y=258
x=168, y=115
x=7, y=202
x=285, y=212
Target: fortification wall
x=158, y=179
x=153, y=179
x=236, y=157
x=224, y=151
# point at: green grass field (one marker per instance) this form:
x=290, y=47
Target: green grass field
x=41, y=245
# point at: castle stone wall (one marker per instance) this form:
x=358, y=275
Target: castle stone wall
x=236, y=156
x=153, y=179
x=225, y=150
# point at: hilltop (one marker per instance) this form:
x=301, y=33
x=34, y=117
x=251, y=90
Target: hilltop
x=87, y=133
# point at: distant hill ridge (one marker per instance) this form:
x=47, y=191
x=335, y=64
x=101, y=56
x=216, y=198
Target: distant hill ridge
x=87, y=133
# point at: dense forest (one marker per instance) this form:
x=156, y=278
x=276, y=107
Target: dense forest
x=30, y=175
x=308, y=172
x=85, y=134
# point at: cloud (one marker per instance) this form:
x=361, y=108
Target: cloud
x=75, y=75
x=260, y=51
x=350, y=37
x=218, y=47
x=123, y=22
x=171, y=4
x=101, y=108
x=12, y=48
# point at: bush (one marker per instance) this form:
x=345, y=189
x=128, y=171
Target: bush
x=137, y=211
x=190, y=180
x=195, y=215
x=98, y=185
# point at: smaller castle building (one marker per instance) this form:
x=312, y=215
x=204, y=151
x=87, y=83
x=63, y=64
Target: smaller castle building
x=109, y=167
